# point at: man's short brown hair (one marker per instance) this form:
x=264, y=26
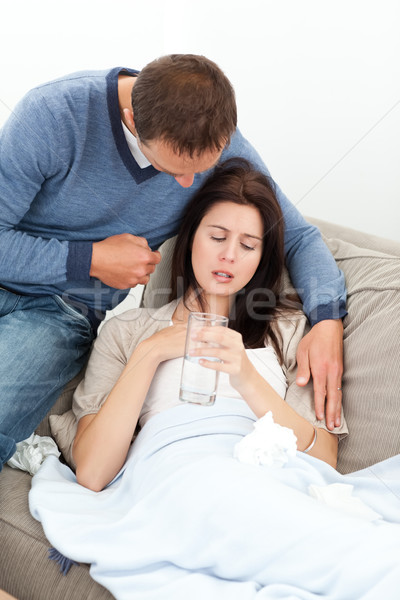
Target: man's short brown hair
x=186, y=101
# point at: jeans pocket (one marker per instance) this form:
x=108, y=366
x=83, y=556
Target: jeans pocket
x=72, y=312
x=8, y=301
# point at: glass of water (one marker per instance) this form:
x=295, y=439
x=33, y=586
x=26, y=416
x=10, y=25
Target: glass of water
x=198, y=383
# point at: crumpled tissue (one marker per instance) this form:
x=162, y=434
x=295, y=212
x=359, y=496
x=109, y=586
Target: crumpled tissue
x=269, y=444
x=339, y=495
x=31, y=453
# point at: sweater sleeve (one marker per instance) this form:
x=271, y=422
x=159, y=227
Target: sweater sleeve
x=313, y=271
x=30, y=154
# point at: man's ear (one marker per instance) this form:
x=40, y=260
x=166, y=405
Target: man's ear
x=130, y=121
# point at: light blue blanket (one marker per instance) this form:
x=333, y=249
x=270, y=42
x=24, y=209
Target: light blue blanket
x=186, y=520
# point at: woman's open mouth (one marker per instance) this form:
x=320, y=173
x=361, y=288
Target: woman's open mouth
x=223, y=276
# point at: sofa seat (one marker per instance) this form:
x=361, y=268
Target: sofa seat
x=25, y=568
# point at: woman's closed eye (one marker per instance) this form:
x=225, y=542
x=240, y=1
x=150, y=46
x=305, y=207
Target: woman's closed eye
x=246, y=247
x=222, y=239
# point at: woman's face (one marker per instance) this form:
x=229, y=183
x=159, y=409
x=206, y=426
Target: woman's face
x=227, y=248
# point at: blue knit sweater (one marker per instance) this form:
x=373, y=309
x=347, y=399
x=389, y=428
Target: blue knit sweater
x=68, y=179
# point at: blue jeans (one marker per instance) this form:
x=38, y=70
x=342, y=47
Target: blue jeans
x=44, y=343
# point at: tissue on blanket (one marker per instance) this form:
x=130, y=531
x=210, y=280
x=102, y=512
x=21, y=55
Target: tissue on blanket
x=31, y=453
x=269, y=444
x=339, y=495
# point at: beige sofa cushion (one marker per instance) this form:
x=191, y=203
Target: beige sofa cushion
x=371, y=381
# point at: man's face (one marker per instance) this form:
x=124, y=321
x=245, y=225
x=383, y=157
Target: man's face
x=182, y=167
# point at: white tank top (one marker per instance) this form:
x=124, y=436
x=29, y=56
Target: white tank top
x=164, y=389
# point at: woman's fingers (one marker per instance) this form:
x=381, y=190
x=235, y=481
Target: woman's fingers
x=218, y=335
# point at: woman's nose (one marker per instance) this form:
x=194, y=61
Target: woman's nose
x=229, y=253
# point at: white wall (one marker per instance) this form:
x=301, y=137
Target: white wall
x=317, y=82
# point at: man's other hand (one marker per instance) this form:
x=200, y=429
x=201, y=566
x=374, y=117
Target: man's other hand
x=123, y=261
x=320, y=354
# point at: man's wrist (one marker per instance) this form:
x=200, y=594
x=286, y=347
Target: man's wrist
x=324, y=312
x=79, y=261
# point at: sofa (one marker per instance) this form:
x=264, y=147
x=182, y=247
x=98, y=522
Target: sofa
x=371, y=400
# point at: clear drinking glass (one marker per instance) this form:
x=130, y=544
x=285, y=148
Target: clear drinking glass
x=198, y=383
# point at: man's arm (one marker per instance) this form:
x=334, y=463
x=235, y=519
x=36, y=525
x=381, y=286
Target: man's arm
x=32, y=151
x=321, y=287
x=29, y=154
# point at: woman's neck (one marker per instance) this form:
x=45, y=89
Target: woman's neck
x=218, y=305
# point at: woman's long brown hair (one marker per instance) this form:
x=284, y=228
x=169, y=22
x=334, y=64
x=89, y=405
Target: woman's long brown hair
x=257, y=305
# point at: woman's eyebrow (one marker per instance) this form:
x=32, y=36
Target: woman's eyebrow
x=256, y=237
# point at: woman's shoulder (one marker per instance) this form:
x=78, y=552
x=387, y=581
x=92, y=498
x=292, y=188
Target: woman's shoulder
x=135, y=324
x=291, y=322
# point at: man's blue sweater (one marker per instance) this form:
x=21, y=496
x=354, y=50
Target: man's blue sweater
x=68, y=179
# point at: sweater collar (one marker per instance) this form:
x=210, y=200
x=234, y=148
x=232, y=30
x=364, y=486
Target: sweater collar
x=139, y=175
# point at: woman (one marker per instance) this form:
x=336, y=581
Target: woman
x=187, y=519
x=229, y=253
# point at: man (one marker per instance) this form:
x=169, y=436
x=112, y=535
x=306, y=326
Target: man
x=95, y=169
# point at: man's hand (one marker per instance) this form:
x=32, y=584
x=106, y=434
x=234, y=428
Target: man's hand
x=123, y=261
x=320, y=354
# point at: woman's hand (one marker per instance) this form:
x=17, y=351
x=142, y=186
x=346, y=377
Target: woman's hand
x=167, y=343
x=226, y=345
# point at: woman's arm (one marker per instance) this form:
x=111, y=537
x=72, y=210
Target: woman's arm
x=259, y=395
x=103, y=439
